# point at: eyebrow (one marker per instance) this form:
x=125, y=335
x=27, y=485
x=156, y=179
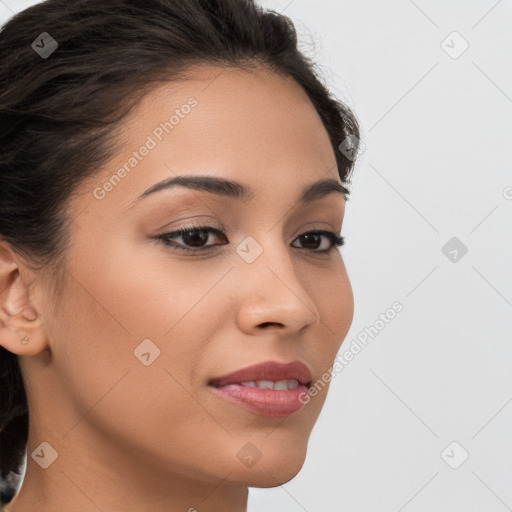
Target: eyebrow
x=238, y=191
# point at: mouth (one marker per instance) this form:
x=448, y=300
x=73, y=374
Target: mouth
x=269, y=389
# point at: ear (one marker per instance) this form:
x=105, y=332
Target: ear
x=18, y=315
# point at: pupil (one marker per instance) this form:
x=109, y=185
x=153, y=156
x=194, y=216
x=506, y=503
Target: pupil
x=313, y=237
x=198, y=238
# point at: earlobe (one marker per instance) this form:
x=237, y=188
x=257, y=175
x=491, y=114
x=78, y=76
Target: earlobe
x=21, y=336
x=21, y=330
x=23, y=341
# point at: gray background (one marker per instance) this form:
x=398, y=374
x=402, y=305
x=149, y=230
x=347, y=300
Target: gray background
x=437, y=131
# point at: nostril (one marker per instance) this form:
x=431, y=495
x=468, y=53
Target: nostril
x=264, y=324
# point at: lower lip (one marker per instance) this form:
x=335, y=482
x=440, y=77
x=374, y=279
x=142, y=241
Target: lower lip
x=267, y=402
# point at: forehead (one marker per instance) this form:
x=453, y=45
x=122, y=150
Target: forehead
x=255, y=127
x=253, y=110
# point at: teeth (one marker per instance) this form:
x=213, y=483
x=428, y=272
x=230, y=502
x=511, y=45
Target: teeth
x=281, y=384
x=292, y=384
x=265, y=384
x=268, y=384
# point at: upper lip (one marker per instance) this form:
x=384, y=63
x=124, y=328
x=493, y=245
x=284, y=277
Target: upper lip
x=269, y=370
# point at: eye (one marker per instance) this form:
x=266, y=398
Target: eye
x=315, y=237
x=194, y=239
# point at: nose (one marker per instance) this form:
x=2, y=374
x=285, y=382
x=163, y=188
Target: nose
x=272, y=295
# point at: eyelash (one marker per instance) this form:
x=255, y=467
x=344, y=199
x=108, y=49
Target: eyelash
x=336, y=241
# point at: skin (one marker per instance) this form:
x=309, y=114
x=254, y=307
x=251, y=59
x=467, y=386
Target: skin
x=155, y=438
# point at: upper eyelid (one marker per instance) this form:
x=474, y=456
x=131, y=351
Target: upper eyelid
x=222, y=231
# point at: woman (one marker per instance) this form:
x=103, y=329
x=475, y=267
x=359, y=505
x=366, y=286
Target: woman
x=173, y=177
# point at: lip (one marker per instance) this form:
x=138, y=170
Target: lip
x=269, y=370
x=265, y=402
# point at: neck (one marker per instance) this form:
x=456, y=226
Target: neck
x=110, y=483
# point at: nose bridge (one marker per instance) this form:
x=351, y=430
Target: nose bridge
x=273, y=292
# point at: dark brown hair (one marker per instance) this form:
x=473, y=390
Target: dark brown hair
x=58, y=115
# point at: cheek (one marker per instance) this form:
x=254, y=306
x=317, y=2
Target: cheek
x=122, y=308
x=147, y=408
x=332, y=294
x=340, y=307
x=147, y=288
x=126, y=308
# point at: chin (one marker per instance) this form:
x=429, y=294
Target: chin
x=275, y=470
x=270, y=477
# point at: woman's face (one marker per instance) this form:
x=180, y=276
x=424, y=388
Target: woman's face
x=143, y=328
